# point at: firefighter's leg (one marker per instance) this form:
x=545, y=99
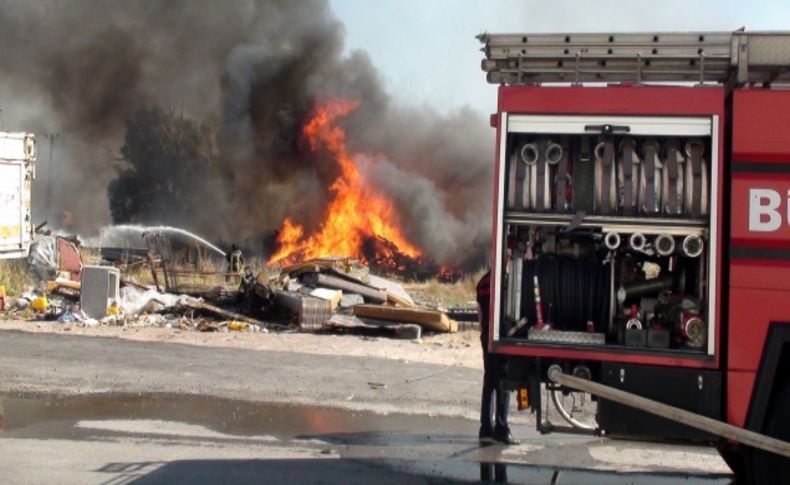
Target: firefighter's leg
x=489, y=387
x=502, y=397
x=501, y=428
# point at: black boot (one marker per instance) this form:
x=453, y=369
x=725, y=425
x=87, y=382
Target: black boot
x=486, y=436
x=504, y=436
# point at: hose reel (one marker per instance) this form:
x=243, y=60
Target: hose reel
x=696, y=179
x=605, y=177
x=650, y=182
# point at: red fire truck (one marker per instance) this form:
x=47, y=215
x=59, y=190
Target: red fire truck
x=641, y=234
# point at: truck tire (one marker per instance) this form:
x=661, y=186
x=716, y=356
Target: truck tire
x=769, y=468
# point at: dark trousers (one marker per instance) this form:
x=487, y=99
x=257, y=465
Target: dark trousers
x=493, y=370
x=493, y=471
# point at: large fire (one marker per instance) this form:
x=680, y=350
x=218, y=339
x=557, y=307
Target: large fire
x=359, y=222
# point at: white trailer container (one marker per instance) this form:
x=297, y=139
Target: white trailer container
x=17, y=171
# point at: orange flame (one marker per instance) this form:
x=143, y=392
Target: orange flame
x=357, y=211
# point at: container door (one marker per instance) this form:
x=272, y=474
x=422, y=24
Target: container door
x=14, y=235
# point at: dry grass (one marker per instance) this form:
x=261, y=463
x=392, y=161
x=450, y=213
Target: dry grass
x=138, y=274
x=14, y=276
x=90, y=256
x=436, y=293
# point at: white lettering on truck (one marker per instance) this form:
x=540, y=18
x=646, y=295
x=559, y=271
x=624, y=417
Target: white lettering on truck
x=764, y=215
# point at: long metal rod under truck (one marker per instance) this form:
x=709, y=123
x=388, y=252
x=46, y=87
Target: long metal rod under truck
x=641, y=236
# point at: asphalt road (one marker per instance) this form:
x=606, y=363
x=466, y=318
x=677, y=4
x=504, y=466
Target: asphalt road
x=97, y=410
x=72, y=364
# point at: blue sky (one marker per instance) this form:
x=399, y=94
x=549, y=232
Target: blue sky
x=426, y=52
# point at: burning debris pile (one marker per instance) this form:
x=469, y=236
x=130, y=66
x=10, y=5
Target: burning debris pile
x=236, y=109
x=340, y=293
x=322, y=294
x=267, y=134
x=360, y=221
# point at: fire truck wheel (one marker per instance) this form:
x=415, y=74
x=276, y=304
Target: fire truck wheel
x=769, y=467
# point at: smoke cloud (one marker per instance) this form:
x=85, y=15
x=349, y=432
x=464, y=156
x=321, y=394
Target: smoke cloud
x=253, y=70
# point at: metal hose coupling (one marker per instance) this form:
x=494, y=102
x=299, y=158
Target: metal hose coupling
x=664, y=244
x=692, y=246
x=529, y=154
x=633, y=324
x=637, y=241
x=554, y=153
x=611, y=240
x=693, y=328
x=693, y=145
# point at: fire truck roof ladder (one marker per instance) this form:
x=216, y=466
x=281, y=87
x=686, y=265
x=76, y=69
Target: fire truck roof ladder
x=698, y=57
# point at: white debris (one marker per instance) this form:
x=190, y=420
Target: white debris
x=135, y=301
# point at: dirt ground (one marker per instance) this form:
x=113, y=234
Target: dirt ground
x=460, y=349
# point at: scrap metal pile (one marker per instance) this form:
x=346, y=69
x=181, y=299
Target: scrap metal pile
x=328, y=294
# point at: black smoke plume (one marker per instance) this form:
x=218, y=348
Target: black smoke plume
x=251, y=72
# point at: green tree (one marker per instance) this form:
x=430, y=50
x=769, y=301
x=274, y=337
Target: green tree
x=169, y=173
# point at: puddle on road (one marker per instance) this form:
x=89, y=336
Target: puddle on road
x=535, y=474
x=228, y=416
x=416, y=446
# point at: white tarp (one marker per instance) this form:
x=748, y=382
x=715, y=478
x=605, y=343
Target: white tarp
x=135, y=301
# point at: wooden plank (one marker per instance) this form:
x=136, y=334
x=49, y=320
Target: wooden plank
x=329, y=281
x=340, y=264
x=352, y=323
x=199, y=305
x=394, y=299
x=396, y=294
x=428, y=319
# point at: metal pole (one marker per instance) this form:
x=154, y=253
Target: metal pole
x=688, y=418
x=51, y=169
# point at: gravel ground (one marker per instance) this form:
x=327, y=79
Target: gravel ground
x=460, y=349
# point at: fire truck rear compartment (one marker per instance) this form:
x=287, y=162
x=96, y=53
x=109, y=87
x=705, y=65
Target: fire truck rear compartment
x=605, y=240
x=695, y=390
